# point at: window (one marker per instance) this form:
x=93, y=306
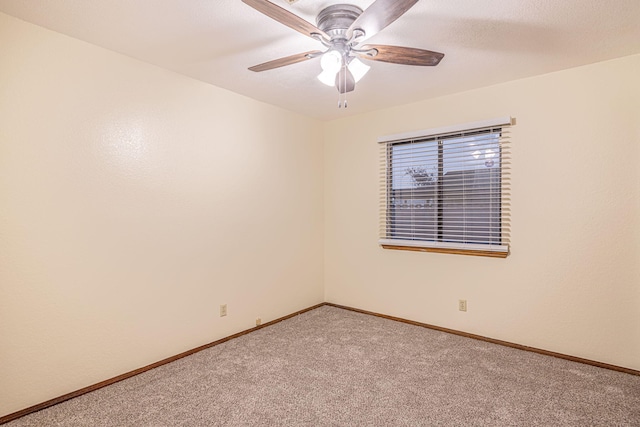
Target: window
x=447, y=190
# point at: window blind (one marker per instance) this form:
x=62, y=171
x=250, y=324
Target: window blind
x=447, y=189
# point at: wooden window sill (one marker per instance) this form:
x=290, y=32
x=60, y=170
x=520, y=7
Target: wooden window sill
x=492, y=254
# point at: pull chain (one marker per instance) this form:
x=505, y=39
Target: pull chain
x=344, y=82
x=342, y=88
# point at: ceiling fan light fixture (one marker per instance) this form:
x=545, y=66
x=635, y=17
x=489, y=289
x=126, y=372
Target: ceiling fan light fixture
x=358, y=69
x=328, y=77
x=331, y=61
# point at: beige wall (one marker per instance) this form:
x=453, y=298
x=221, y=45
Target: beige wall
x=133, y=202
x=572, y=282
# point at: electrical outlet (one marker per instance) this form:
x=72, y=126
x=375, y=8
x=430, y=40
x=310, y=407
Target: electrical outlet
x=462, y=305
x=258, y=321
x=223, y=310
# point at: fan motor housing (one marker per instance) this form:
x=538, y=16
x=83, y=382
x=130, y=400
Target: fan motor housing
x=336, y=19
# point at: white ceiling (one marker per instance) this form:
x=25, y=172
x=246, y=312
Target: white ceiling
x=484, y=41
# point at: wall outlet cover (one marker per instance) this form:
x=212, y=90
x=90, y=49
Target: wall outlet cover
x=462, y=305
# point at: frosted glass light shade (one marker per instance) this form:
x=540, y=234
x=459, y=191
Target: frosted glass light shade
x=328, y=78
x=358, y=69
x=331, y=61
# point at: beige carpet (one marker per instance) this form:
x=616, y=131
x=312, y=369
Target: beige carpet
x=332, y=367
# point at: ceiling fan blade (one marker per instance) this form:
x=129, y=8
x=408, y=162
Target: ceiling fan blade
x=380, y=14
x=288, y=60
x=402, y=55
x=285, y=17
x=345, y=82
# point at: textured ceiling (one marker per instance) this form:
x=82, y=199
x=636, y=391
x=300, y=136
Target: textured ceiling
x=485, y=42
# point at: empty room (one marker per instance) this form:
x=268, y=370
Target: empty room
x=319, y=213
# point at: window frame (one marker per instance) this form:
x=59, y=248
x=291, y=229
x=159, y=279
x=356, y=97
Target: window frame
x=493, y=246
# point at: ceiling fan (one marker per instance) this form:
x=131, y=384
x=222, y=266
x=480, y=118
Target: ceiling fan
x=341, y=28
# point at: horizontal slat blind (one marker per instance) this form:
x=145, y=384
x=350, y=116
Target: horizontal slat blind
x=447, y=190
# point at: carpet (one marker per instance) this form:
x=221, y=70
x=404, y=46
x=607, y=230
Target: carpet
x=333, y=367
